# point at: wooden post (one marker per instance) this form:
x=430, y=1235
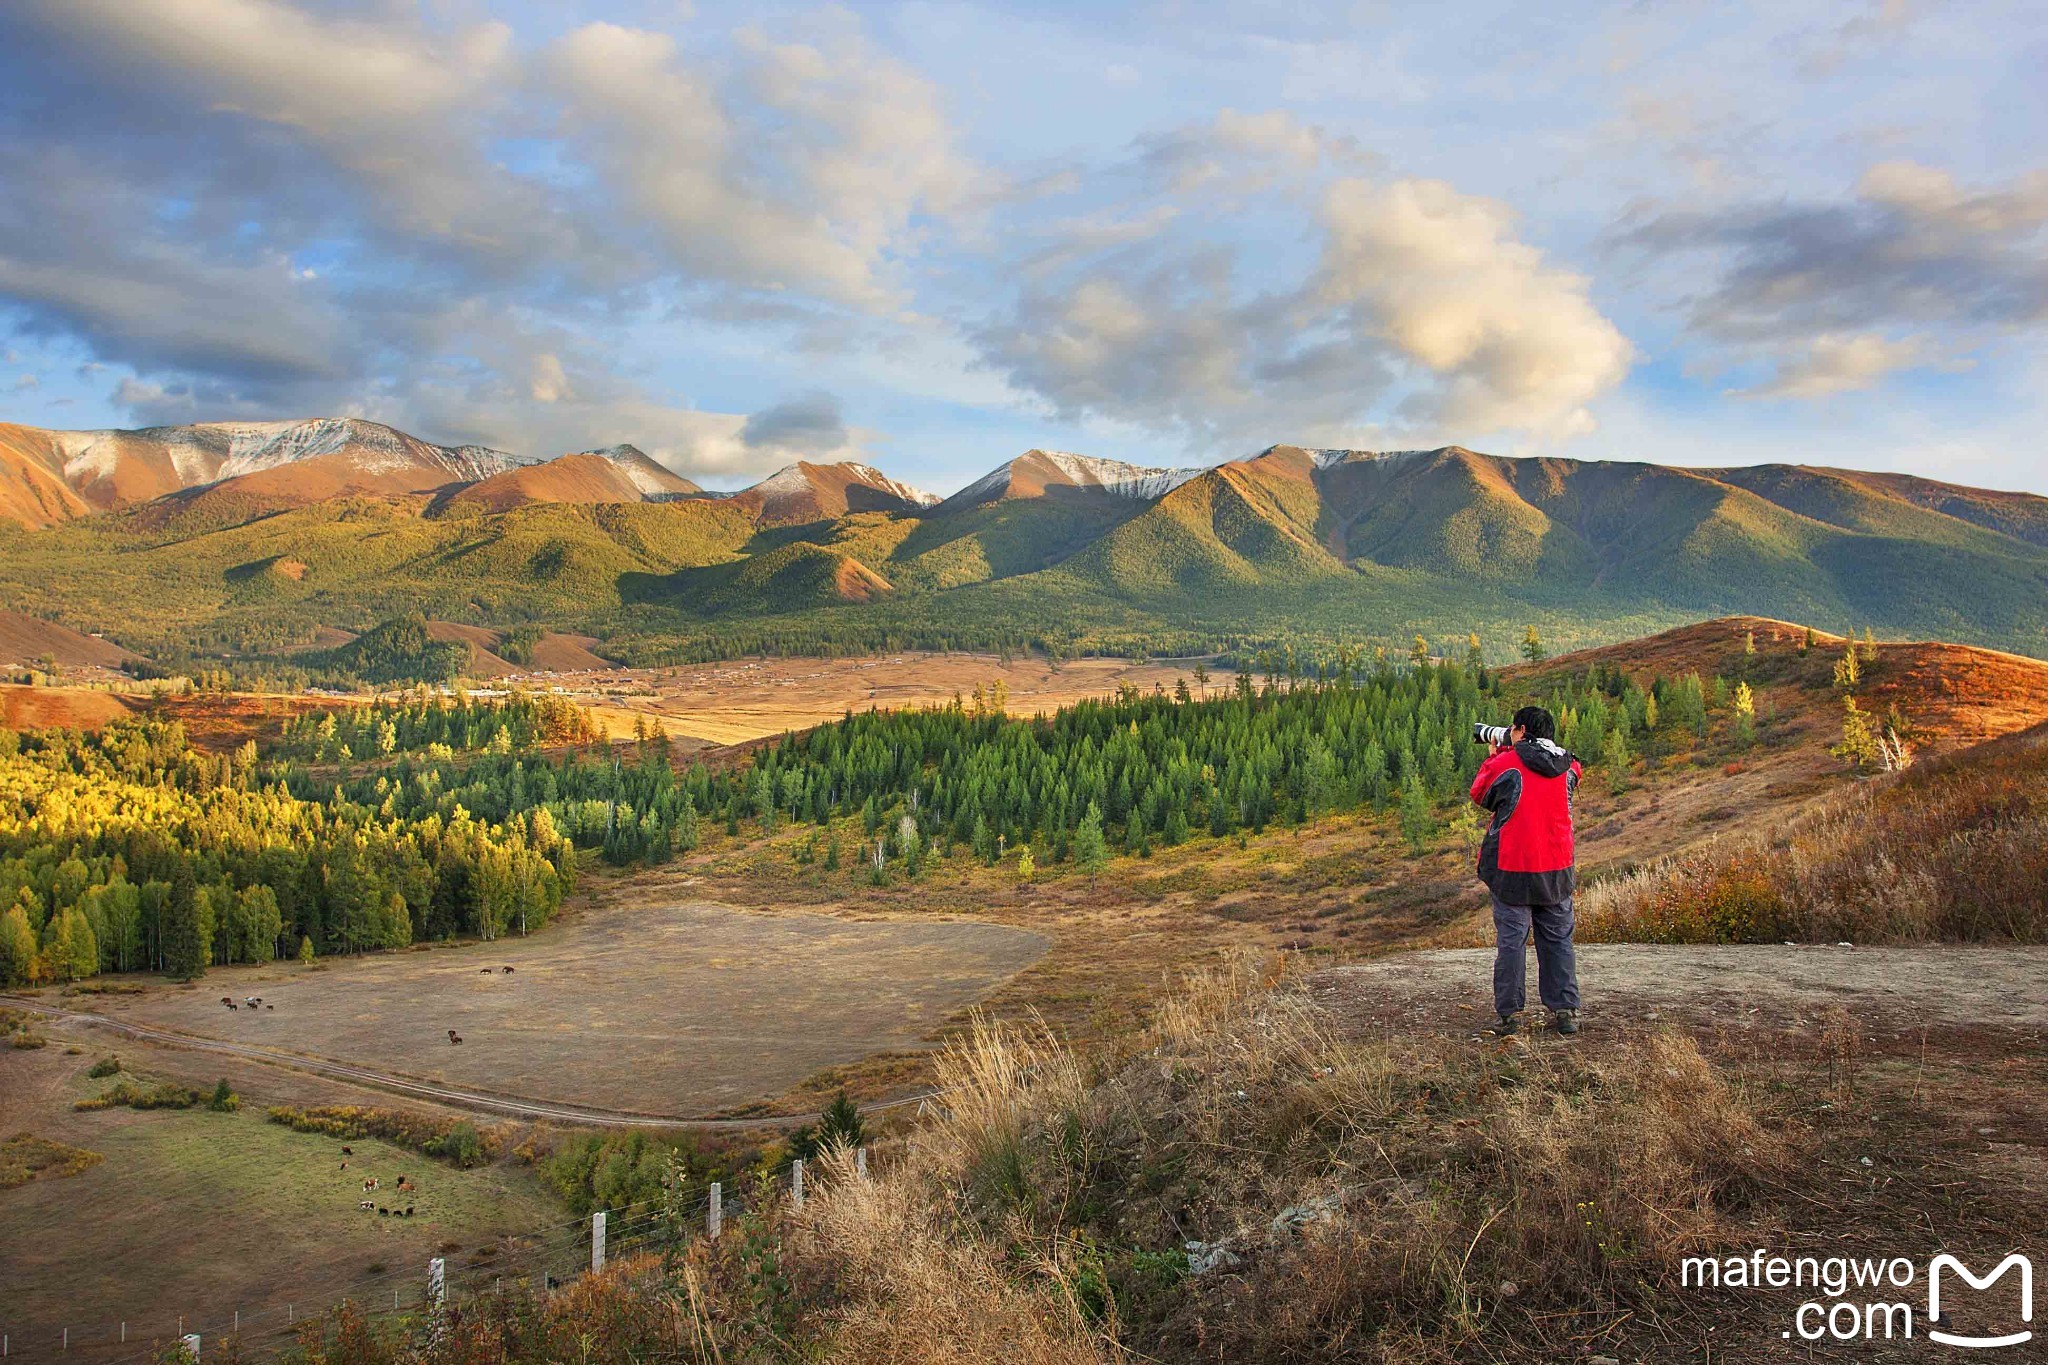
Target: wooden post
x=796, y=1181
x=597, y=1240
x=714, y=1219
x=437, y=1282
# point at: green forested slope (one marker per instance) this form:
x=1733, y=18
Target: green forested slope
x=1285, y=544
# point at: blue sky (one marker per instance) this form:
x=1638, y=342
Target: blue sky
x=934, y=235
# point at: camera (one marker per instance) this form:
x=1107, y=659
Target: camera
x=1482, y=733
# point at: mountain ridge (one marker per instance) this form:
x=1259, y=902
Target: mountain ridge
x=1332, y=541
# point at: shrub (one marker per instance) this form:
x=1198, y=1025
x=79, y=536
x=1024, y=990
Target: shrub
x=163, y=1095
x=457, y=1142
x=104, y=1067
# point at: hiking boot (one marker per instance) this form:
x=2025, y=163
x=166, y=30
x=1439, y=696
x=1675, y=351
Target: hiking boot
x=1565, y=1021
x=1505, y=1026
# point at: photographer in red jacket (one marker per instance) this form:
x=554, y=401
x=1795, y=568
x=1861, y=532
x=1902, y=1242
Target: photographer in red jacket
x=1526, y=861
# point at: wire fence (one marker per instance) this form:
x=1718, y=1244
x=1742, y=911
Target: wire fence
x=539, y=1259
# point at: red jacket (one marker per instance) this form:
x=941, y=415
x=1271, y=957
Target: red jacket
x=1526, y=857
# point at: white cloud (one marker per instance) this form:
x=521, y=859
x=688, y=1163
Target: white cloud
x=805, y=171
x=1841, y=364
x=1509, y=342
x=1422, y=297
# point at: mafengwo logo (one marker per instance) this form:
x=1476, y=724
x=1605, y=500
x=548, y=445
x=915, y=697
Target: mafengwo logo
x=1943, y=1262
x=1848, y=1306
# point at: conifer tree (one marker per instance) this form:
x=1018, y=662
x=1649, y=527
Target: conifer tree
x=1532, y=646
x=1091, y=851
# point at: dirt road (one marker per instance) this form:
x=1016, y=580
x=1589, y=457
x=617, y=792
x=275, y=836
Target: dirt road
x=1999, y=987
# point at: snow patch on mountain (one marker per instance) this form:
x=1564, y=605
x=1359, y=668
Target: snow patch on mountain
x=1081, y=471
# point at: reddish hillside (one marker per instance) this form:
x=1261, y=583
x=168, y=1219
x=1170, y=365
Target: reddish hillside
x=806, y=492
x=25, y=640
x=586, y=478
x=568, y=654
x=1950, y=694
x=481, y=641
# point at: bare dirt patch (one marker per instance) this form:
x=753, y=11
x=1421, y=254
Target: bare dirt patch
x=730, y=703
x=1898, y=987
x=676, y=1010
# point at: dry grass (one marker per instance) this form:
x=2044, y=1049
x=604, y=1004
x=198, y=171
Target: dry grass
x=1370, y=1201
x=1955, y=849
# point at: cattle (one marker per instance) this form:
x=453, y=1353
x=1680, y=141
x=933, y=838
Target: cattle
x=225, y=1000
x=270, y=1007
x=348, y=1151
x=367, y=1204
x=408, y=1211
x=383, y=1212
x=485, y=970
x=454, y=1037
x=508, y=971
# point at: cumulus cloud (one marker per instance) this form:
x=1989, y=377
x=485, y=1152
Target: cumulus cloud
x=1422, y=298
x=1841, y=364
x=1835, y=295
x=1505, y=341
x=807, y=425
x=859, y=147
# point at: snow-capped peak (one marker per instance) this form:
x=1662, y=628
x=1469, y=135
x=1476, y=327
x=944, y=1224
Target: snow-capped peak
x=1080, y=471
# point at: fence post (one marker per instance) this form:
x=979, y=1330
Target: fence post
x=597, y=1240
x=437, y=1282
x=67, y=1340
x=715, y=1219
x=190, y=1341
x=860, y=1162
x=796, y=1181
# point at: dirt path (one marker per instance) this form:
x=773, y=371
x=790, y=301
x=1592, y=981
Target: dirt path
x=2004, y=987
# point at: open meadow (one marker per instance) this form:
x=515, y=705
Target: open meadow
x=193, y=1215
x=653, y=1007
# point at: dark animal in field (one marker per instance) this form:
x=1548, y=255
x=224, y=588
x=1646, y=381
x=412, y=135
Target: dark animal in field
x=270, y=1007
x=229, y=1003
x=485, y=970
x=383, y=1212
x=453, y=1036
x=408, y=1211
x=554, y=1283
x=348, y=1151
x=508, y=971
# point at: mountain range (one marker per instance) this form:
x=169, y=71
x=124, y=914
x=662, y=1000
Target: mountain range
x=246, y=533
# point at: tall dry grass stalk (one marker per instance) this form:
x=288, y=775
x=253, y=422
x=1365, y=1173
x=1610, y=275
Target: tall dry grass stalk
x=1951, y=850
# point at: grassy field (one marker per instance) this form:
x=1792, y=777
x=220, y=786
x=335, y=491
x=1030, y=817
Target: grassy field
x=198, y=1215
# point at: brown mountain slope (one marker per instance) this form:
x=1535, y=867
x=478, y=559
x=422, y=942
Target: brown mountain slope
x=25, y=640
x=586, y=478
x=806, y=492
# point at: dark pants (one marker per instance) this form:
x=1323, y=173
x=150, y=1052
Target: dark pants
x=1557, y=973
